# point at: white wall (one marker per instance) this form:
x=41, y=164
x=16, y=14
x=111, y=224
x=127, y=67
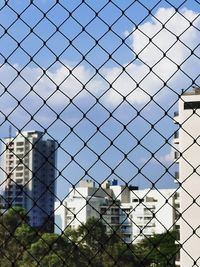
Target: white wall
x=132, y=213
x=153, y=215
x=190, y=187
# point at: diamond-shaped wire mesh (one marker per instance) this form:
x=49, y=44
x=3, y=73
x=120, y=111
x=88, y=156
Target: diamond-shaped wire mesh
x=102, y=170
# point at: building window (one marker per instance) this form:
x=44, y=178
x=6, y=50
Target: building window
x=114, y=211
x=19, y=181
x=19, y=143
x=103, y=211
x=192, y=105
x=114, y=220
x=151, y=199
x=19, y=174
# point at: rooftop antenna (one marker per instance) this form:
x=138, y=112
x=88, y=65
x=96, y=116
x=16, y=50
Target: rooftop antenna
x=10, y=136
x=10, y=131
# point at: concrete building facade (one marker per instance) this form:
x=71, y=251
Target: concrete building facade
x=137, y=213
x=29, y=165
x=84, y=202
x=152, y=212
x=187, y=145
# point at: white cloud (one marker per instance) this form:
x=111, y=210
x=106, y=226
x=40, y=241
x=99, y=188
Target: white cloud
x=167, y=158
x=137, y=83
x=150, y=41
x=65, y=82
x=56, y=87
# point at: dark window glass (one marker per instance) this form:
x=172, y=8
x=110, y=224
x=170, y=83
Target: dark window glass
x=192, y=105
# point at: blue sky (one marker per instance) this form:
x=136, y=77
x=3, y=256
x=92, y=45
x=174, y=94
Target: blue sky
x=41, y=58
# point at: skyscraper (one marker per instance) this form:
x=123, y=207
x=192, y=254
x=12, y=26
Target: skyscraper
x=29, y=165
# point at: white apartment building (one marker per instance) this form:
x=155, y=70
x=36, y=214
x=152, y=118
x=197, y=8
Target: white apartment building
x=187, y=154
x=84, y=202
x=152, y=212
x=29, y=165
x=138, y=213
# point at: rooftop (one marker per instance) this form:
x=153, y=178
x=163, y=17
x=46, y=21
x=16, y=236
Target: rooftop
x=195, y=91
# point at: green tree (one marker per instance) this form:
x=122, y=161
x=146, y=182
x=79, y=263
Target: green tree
x=93, y=233
x=71, y=235
x=106, y=249
x=46, y=251
x=117, y=252
x=54, y=250
x=92, y=241
x=11, y=245
x=159, y=250
x=89, y=245
x=13, y=218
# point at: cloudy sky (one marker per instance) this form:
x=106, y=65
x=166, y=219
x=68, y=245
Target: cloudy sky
x=104, y=78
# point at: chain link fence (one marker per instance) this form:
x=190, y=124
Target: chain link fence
x=104, y=167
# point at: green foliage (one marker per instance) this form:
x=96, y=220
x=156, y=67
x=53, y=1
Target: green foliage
x=13, y=218
x=25, y=234
x=93, y=233
x=46, y=251
x=71, y=235
x=13, y=240
x=159, y=250
x=89, y=245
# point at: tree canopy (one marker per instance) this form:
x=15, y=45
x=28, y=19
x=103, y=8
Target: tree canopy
x=89, y=245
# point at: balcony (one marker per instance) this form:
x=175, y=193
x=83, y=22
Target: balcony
x=19, y=181
x=114, y=220
x=19, y=168
x=20, y=144
x=177, y=204
x=103, y=211
x=127, y=231
x=20, y=155
x=114, y=212
x=10, y=169
x=148, y=232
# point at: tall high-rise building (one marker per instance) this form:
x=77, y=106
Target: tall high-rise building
x=187, y=145
x=29, y=165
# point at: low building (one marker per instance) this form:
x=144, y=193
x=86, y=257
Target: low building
x=87, y=201
x=152, y=212
x=136, y=213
